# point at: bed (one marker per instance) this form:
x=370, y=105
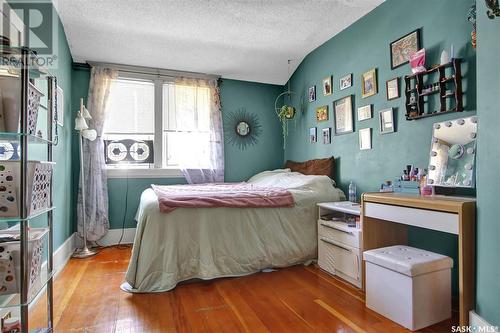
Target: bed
x=208, y=243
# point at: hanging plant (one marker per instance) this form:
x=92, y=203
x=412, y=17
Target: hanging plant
x=286, y=113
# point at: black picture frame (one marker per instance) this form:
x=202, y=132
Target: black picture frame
x=419, y=46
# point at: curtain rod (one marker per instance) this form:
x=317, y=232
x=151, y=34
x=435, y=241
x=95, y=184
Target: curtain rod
x=153, y=71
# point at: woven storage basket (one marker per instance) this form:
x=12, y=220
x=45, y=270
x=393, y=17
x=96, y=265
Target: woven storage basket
x=10, y=265
x=39, y=175
x=10, y=88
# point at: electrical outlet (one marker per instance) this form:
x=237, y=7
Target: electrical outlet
x=5, y=316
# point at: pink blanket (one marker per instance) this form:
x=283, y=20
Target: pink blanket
x=236, y=195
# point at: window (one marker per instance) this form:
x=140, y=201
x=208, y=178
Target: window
x=186, y=131
x=129, y=127
x=153, y=124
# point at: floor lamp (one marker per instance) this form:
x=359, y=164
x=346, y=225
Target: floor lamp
x=90, y=134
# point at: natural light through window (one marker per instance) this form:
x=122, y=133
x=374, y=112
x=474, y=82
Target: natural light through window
x=134, y=111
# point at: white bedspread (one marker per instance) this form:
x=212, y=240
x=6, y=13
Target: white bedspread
x=207, y=243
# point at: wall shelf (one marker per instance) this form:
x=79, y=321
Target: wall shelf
x=448, y=86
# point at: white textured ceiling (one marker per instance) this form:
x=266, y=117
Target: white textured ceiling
x=241, y=39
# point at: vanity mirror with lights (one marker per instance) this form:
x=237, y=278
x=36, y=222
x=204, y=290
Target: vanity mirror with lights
x=453, y=151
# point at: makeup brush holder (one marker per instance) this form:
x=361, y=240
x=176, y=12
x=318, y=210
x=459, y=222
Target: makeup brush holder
x=39, y=180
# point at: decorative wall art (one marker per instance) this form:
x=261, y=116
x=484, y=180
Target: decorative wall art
x=342, y=114
x=365, y=139
x=327, y=86
x=322, y=113
x=313, y=134
x=327, y=135
x=312, y=94
x=403, y=48
x=386, y=121
x=345, y=82
x=392, y=87
x=365, y=112
x=369, y=83
x=242, y=128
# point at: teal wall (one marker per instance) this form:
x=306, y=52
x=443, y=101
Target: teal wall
x=63, y=226
x=240, y=164
x=488, y=164
x=267, y=154
x=359, y=48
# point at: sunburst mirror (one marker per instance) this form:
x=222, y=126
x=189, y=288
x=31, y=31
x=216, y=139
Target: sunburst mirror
x=242, y=128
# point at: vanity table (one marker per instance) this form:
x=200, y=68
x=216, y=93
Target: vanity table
x=385, y=221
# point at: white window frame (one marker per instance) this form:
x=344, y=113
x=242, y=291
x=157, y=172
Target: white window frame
x=159, y=77
x=158, y=171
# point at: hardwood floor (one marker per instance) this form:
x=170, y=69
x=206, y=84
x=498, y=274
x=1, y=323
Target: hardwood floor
x=297, y=299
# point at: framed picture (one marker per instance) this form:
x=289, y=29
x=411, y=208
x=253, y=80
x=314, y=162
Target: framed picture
x=386, y=121
x=342, y=114
x=365, y=112
x=322, y=113
x=369, y=83
x=327, y=86
x=312, y=94
x=403, y=48
x=327, y=135
x=365, y=139
x=392, y=87
x=313, y=134
x=345, y=82
x=60, y=106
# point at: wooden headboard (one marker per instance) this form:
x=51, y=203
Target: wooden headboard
x=322, y=166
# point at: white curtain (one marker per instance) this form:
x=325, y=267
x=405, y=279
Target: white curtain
x=195, y=117
x=94, y=169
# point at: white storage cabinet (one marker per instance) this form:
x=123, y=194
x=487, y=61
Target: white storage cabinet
x=339, y=245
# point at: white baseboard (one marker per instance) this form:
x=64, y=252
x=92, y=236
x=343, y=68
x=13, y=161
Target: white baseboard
x=112, y=237
x=477, y=321
x=63, y=253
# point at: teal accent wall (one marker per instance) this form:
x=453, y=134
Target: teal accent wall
x=360, y=47
x=239, y=164
x=267, y=154
x=488, y=164
x=63, y=185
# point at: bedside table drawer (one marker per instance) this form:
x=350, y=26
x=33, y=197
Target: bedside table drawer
x=339, y=232
x=340, y=259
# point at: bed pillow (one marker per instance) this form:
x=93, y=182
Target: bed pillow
x=321, y=167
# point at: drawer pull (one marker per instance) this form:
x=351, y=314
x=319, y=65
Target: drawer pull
x=336, y=245
x=331, y=227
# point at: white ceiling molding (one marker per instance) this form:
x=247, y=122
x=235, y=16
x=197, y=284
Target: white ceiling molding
x=247, y=40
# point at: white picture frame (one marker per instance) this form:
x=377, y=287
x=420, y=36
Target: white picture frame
x=365, y=112
x=365, y=139
x=327, y=86
x=345, y=82
x=60, y=106
x=386, y=121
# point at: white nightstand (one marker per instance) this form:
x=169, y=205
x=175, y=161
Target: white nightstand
x=339, y=245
